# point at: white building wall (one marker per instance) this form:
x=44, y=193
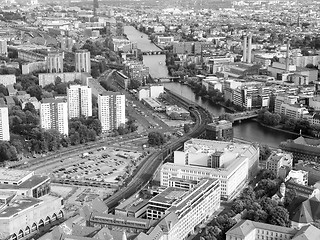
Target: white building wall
x=155, y=91
x=4, y=124
x=79, y=101
x=33, y=215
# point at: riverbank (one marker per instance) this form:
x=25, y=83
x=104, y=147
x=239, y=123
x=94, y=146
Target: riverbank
x=281, y=130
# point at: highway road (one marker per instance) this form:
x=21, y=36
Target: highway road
x=60, y=156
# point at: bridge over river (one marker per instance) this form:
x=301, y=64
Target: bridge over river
x=234, y=117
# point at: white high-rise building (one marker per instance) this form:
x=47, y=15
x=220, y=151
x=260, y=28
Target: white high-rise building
x=4, y=124
x=54, y=62
x=83, y=63
x=79, y=101
x=3, y=47
x=111, y=108
x=54, y=115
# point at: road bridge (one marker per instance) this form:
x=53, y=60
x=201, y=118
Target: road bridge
x=153, y=52
x=234, y=117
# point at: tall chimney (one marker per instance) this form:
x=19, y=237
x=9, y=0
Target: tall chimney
x=249, y=48
x=244, y=55
x=287, y=55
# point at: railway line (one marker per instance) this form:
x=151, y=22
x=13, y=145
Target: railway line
x=146, y=170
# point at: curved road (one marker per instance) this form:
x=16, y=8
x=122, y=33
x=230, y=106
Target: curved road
x=151, y=164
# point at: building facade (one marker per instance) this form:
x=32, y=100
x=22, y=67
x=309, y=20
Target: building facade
x=54, y=62
x=250, y=230
x=26, y=205
x=79, y=101
x=279, y=159
x=233, y=164
x=83, y=63
x=220, y=131
x=54, y=115
x=4, y=124
x=3, y=47
x=111, y=110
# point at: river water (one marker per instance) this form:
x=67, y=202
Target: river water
x=248, y=130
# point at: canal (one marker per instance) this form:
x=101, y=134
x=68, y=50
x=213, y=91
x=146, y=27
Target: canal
x=248, y=130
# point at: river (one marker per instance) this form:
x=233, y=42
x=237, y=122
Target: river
x=248, y=130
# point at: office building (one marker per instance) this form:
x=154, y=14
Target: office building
x=220, y=130
x=26, y=205
x=83, y=63
x=79, y=101
x=54, y=62
x=278, y=160
x=250, y=230
x=4, y=123
x=3, y=48
x=54, y=115
x=111, y=110
x=232, y=163
x=192, y=208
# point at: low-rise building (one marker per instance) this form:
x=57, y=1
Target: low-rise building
x=299, y=176
x=302, y=148
x=26, y=203
x=250, y=230
x=220, y=130
x=152, y=103
x=278, y=160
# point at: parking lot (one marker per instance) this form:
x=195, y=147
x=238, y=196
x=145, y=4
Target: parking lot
x=100, y=168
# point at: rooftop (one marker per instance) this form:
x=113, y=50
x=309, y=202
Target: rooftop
x=169, y=195
x=52, y=100
x=18, y=205
x=13, y=175
x=29, y=183
x=244, y=227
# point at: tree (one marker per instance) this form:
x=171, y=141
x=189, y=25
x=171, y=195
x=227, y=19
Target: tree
x=186, y=128
x=52, y=138
x=268, y=186
x=280, y=216
x=290, y=124
x=32, y=118
x=156, y=138
x=35, y=91
x=7, y=152
x=265, y=152
x=267, y=174
x=237, y=206
x=61, y=88
x=30, y=107
x=134, y=84
x=3, y=90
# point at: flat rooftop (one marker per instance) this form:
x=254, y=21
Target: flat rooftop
x=198, y=190
x=133, y=205
x=12, y=174
x=169, y=195
x=18, y=205
x=30, y=183
x=183, y=180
